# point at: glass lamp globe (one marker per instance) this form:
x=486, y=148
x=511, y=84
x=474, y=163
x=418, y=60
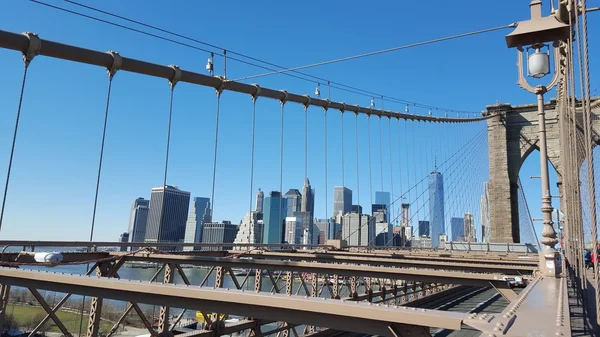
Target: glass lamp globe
x=538, y=64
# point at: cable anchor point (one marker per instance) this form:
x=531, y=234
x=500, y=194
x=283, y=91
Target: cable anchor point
x=176, y=76
x=116, y=65
x=35, y=45
x=256, y=93
x=285, y=97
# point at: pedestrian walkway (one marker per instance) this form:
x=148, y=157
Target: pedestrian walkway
x=583, y=315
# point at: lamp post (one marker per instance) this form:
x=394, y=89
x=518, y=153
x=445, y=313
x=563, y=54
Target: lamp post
x=534, y=33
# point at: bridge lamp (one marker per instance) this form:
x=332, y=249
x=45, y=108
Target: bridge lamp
x=534, y=34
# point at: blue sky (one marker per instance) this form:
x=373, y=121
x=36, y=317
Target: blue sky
x=53, y=179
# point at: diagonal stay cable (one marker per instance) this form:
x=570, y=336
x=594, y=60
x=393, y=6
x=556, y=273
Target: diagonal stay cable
x=420, y=181
x=412, y=45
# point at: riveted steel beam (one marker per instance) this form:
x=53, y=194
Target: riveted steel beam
x=357, y=317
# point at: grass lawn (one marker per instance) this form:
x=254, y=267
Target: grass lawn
x=27, y=316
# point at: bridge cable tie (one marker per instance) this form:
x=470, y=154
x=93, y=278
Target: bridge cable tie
x=176, y=76
x=116, y=65
x=256, y=93
x=35, y=45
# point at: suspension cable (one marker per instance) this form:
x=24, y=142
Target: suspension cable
x=110, y=78
x=325, y=157
x=14, y=141
x=391, y=167
x=281, y=167
x=357, y=167
x=214, y=176
x=512, y=25
x=342, y=135
x=250, y=215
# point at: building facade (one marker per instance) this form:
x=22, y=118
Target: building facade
x=260, y=200
x=198, y=216
x=294, y=230
x=485, y=213
x=219, y=232
x=169, y=208
x=273, y=216
x=358, y=230
x=342, y=200
x=457, y=226
x=424, y=228
x=436, y=207
x=382, y=198
x=470, y=227
x=250, y=230
x=138, y=219
x=293, y=202
x=124, y=237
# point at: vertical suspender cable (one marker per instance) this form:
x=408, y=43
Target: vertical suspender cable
x=110, y=78
x=409, y=188
x=380, y=152
x=370, y=172
x=306, y=142
x=357, y=170
x=325, y=157
x=164, y=197
x=280, y=219
x=14, y=141
x=250, y=215
x=400, y=195
x=342, y=135
x=214, y=176
x=391, y=170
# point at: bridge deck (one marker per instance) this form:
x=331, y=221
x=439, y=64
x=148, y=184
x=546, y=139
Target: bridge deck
x=544, y=300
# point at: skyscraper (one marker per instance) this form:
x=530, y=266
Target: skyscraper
x=199, y=215
x=307, y=209
x=436, y=207
x=294, y=231
x=169, y=208
x=293, y=202
x=425, y=228
x=457, y=227
x=379, y=211
x=342, y=200
x=485, y=213
x=358, y=230
x=405, y=215
x=219, y=232
x=382, y=198
x=274, y=214
x=260, y=200
x=308, y=198
x=470, y=227
x=138, y=219
x=250, y=230
x=124, y=237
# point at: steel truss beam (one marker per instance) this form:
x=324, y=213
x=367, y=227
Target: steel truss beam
x=346, y=316
x=424, y=275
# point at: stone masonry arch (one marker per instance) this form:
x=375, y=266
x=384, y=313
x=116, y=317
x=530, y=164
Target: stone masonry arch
x=512, y=137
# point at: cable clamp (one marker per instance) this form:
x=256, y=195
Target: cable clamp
x=308, y=101
x=325, y=108
x=343, y=109
x=176, y=76
x=285, y=97
x=35, y=45
x=221, y=86
x=116, y=65
x=258, y=89
x=357, y=110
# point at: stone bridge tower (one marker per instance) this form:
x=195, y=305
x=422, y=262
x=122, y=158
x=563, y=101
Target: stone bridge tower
x=512, y=136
